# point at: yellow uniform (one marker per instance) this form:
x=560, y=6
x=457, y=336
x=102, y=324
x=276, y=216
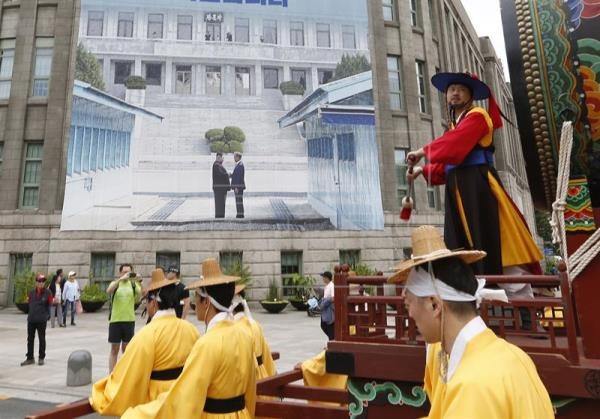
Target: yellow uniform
x=493, y=379
x=315, y=374
x=221, y=370
x=266, y=365
x=162, y=345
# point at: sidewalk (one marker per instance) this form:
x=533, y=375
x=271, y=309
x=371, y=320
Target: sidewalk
x=291, y=333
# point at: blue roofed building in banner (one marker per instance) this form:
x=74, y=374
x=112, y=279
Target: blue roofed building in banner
x=338, y=124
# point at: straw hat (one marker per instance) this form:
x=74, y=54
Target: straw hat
x=211, y=275
x=158, y=281
x=428, y=245
x=239, y=288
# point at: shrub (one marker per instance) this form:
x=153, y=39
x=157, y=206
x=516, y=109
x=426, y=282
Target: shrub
x=234, y=134
x=135, y=83
x=302, y=286
x=215, y=134
x=93, y=293
x=219, y=147
x=291, y=88
x=235, y=146
x=24, y=282
x=243, y=271
x=273, y=293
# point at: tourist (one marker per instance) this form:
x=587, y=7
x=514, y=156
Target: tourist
x=182, y=308
x=55, y=287
x=469, y=372
x=154, y=357
x=40, y=300
x=327, y=307
x=70, y=296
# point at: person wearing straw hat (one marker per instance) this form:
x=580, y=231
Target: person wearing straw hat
x=469, y=372
x=219, y=376
x=241, y=313
x=154, y=357
x=479, y=214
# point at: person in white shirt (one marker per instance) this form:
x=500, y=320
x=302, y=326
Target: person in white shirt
x=70, y=296
x=327, y=307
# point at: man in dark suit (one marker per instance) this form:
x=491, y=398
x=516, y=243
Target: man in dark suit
x=221, y=185
x=238, y=184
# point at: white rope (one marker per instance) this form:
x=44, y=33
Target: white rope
x=585, y=254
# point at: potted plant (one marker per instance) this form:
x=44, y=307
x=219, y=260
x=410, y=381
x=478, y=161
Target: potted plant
x=241, y=271
x=302, y=289
x=135, y=90
x=292, y=92
x=24, y=283
x=273, y=304
x=92, y=298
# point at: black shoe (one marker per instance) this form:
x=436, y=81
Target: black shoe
x=28, y=362
x=62, y=325
x=73, y=324
x=40, y=361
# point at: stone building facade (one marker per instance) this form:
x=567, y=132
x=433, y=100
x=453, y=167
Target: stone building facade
x=409, y=41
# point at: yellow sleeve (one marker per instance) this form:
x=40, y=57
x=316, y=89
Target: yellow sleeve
x=250, y=395
x=128, y=384
x=266, y=354
x=187, y=397
x=428, y=367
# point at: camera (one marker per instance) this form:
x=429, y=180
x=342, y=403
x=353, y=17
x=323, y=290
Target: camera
x=132, y=274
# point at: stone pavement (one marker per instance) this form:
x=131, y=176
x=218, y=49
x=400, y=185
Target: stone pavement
x=295, y=335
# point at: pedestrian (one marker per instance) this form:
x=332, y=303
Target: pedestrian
x=183, y=306
x=55, y=287
x=124, y=292
x=327, y=307
x=469, y=371
x=219, y=377
x=479, y=214
x=221, y=185
x=40, y=300
x=70, y=296
x=238, y=184
x=154, y=357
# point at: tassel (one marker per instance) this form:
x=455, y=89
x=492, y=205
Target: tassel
x=407, y=204
x=494, y=111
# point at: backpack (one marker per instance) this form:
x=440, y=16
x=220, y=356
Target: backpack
x=112, y=298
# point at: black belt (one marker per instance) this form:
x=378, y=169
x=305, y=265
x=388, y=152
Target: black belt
x=166, y=375
x=224, y=405
x=259, y=359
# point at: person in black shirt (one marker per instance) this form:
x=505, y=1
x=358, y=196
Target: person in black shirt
x=221, y=185
x=183, y=307
x=40, y=300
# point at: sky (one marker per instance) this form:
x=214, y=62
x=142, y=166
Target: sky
x=485, y=17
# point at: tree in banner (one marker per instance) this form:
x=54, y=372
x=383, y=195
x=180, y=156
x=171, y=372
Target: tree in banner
x=87, y=68
x=351, y=65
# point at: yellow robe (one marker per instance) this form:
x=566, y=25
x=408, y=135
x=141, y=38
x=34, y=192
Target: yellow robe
x=162, y=344
x=221, y=366
x=315, y=374
x=494, y=380
x=261, y=348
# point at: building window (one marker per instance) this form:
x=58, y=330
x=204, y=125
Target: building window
x=165, y=260
x=242, y=81
x=7, y=58
x=213, y=31
x=401, y=168
x=155, y=25
x=271, y=76
x=432, y=17
x=350, y=257
x=213, y=81
x=291, y=263
x=269, y=31
x=242, y=29
x=324, y=76
x=323, y=35
x=297, y=34
x=125, y=25
x=19, y=262
x=348, y=37
x=184, y=27
x=422, y=87
x=183, y=81
x=123, y=70
x=415, y=13
x=230, y=260
x=389, y=10
x=345, y=147
x=154, y=74
x=32, y=174
x=299, y=76
x=43, y=67
x=433, y=197
x=102, y=269
x=95, y=23
x=395, y=82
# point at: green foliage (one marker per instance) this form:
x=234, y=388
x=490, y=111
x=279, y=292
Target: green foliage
x=550, y=265
x=302, y=285
x=542, y=224
x=235, y=146
x=291, y=88
x=24, y=283
x=362, y=269
x=215, y=134
x=135, y=83
x=238, y=269
x=273, y=293
x=218, y=147
x=87, y=68
x=234, y=134
x=93, y=293
x=351, y=65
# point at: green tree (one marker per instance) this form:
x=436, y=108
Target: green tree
x=87, y=68
x=542, y=224
x=351, y=65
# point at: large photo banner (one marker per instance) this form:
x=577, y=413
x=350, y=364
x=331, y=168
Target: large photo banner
x=208, y=114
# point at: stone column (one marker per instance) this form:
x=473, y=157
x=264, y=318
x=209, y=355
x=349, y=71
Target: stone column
x=169, y=76
x=258, y=80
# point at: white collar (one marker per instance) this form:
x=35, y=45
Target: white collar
x=161, y=313
x=239, y=315
x=223, y=315
x=237, y=163
x=466, y=334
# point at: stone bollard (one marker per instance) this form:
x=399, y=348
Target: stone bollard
x=79, y=368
